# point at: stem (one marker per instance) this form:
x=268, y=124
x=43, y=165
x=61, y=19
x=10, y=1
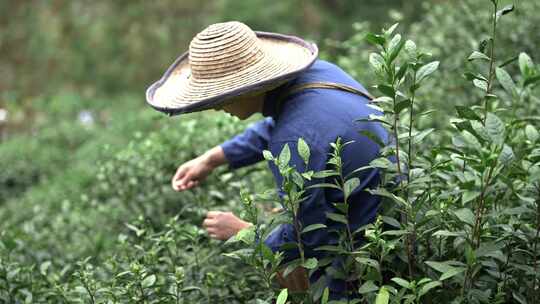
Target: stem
x=299, y=239
x=178, y=292
x=92, y=299
x=479, y=211
x=411, y=237
x=535, y=261
x=491, y=62
x=141, y=290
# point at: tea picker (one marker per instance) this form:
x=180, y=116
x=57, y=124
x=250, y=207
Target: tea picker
x=229, y=67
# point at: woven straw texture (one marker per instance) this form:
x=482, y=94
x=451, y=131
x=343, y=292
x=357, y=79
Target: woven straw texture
x=226, y=60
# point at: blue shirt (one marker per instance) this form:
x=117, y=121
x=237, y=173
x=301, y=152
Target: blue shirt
x=319, y=116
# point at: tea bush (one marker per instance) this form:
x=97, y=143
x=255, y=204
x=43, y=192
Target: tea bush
x=460, y=221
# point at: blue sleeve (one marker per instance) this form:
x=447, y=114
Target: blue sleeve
x=312, y=210
x=246, y=148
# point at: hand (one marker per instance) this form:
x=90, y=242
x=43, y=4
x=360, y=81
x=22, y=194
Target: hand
x=191, y=173
x=223, y=225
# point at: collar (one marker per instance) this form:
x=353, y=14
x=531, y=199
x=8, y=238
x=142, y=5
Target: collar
x=271, y=106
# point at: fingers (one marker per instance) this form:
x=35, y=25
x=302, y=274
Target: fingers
x=212, y=214
x=207, y=223
x=186, y=182
x=180, y=172
x=176, y=180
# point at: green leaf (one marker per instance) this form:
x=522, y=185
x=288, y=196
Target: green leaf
x=303, y=150
x=367, y=287
x=427, y=287
x=350, y=185
x=447, y=233
x=410, y=49
x=44, y=267
x=149, y=281
x=369, y=262
x=465, y=215
x=268, y=155
x=531, y=80
x=469, y=196
x=526, y=65
x=284, y=156
x=386, y=193
x=383, y=296
x=387, y=90
x=488, y=248
x=373, y=136
x=282, y=297
x=377, y=62
x=451, y=272
x=505, y=80
x=467, y=113
x=391, y=30
x=375, y=39
x=313, y=227
x=531, y=133
x=391, y=221
x=401, y=72
x=190, y=288
x=324, y=174
x=394, y=48
x=325, y=296
x=507, y=155
x=401, y=282
x=481, y=84
x=505, y=10
x=400, y=106
x=495, y=128
x=247, y=235
x=426, y=70
x=418, y=137
x=324, y=185
x=477, y=55
x=311, y=263
x=440, y=266
x=336, y=217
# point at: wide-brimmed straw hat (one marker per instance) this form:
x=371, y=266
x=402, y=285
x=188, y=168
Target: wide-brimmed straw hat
x=227, y=60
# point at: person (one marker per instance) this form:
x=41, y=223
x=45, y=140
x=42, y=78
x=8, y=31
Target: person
x=229, y=67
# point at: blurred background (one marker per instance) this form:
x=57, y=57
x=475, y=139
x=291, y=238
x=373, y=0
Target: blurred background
x=80, y=151
x=99, y=48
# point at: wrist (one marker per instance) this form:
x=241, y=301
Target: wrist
x=215, y=157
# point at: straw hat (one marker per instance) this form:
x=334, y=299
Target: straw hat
x=227, y=60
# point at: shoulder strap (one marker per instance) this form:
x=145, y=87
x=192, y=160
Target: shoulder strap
x=322, y=85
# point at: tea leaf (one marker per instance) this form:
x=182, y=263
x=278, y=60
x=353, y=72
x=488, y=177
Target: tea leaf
x=303, y=150
x=149, y=281
x=350, y=185
x=465, y=215
x=282, y=297
x=506, y=81
x=495, y=128
x=477, y=55
x=526, y=65
x=313, y=227
x=426, y=70
x=310, y=263
x=401, y=282
x=284, y=157
x=383, y=297
x=368, y=287
x=426, y=288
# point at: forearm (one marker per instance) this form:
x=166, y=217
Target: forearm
x=215, y=157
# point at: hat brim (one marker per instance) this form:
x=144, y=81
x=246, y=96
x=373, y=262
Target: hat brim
x=178, y=93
